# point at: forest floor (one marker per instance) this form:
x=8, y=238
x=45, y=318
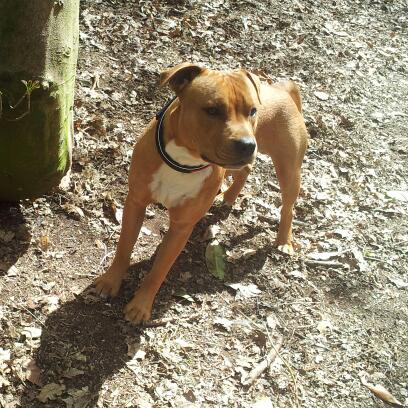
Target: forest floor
x=337, y=311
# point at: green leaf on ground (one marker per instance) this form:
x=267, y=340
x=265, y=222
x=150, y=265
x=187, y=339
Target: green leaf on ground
x=215, y=259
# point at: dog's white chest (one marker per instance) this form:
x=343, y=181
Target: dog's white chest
x=170, y=187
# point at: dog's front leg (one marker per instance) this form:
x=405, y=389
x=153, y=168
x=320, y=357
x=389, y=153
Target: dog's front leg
x=133, y=215
x=139, y=308
x=239, y=177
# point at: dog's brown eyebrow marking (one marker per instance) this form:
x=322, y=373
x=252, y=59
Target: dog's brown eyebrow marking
x=241, y=103
x=216, y=103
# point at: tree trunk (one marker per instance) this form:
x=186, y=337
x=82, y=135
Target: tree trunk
x=38, y=55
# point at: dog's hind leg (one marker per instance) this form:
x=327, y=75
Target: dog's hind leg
x=287, y=157
x=290, y=185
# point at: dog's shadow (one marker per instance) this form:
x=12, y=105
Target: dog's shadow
x=85, y=341
x=15, y=236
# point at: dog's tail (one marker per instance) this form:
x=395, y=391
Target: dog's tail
x=293, y=90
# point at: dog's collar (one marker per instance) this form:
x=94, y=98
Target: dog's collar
x=162, y=151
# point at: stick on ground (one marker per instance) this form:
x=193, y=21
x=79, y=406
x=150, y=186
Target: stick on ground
x=264, y=364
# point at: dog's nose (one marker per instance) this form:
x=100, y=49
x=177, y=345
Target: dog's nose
x=245, y=146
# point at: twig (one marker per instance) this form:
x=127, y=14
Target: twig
x=289, y=368
x=32, y=315
x=327, y=264
x=264, y=364
x=107, y=255
x=287, y=365
x=104, y=258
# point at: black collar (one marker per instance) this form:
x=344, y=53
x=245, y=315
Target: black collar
x=162, y=151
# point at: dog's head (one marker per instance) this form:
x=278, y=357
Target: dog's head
x=217, y=112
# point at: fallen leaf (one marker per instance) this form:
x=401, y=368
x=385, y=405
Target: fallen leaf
x=44, y=242
x=263, y=402
x=150, y=213
x=47, y=286
x=399, y=283
x=185, y=276
x=181, y=293
x=12, y=271
x=359, y=257
x=50, y=392
x=33, y=373
x=190, y=396
x=247, y=252
x=65, y=182
x=377, y=116
x=225, y=323
x=145, y=231
x=211, y=232
x=297, y=274
x=259, y=338
x=215, y=259
x=382, y=393
x=31, y=304
x=323, y=256
x=324, y=326
x=73, y=211
x=271, y=321
x=243, y=290
x=80, y=357
x=50, y=303
x=134, y=365
x=31, y=332
x=111, y=209
x=184, y=344
x=3, y=382
x=72, y=372
x=5, y=355
x=119, y=215
x=78, y=398
x=323, y=96
x=77, y=393
x=99, y=244
x=6, y=236
x=344, y=233
x=398, y=195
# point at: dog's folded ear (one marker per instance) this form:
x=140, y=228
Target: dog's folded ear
x=180, y=75
x=256, y=82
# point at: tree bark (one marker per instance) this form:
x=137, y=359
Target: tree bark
x=38, y=45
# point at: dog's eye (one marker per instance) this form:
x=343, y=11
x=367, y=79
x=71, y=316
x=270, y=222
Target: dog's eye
x=252, y=112
x=213, y=111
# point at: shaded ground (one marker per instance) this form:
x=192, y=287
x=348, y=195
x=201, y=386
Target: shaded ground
x=340, y=305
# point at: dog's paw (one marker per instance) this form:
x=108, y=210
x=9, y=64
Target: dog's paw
x=286, y=249
x=107, y=285
x=227, y=200
x=139, y=309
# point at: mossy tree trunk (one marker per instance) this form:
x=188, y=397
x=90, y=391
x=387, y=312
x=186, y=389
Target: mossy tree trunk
x=38, y=55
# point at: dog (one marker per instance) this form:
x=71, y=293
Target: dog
x=216, y=123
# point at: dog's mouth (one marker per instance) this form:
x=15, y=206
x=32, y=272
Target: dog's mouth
x=228, y=166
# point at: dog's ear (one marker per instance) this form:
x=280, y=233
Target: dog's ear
x=180, y=75
x=256, y=82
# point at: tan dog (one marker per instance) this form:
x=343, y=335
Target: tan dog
x=215, y=124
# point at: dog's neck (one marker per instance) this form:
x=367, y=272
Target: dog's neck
x=173, y=150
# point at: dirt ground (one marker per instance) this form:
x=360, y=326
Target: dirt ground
x=336, y=312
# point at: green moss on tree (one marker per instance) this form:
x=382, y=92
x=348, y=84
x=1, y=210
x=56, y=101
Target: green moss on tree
x=35, y=136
